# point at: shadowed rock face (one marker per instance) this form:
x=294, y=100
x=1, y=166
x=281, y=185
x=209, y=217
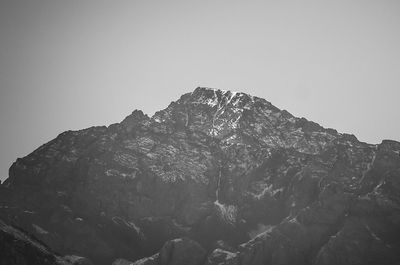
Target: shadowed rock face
x=214, y=166
x=19, y=248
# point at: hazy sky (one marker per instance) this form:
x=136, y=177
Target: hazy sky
x=68, y=64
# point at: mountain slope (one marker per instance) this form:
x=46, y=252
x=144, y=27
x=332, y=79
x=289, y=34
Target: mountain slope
x=250, y=182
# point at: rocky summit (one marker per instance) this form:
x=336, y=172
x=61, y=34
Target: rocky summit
x=217, y=177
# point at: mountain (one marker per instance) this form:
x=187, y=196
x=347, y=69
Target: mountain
x=217, y=177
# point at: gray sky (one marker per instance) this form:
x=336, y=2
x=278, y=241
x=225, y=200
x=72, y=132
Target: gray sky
x=73, y=64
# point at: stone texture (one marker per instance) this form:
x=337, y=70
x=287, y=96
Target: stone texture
x=19, y=248
x=181, y=251
x=152, y=260
x=76, y=260
x=122, y=262
x=220, y=256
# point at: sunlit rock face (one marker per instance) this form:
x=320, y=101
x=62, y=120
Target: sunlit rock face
x=251, y=183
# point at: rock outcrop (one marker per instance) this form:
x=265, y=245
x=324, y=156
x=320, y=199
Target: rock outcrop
x=214, y=166
x=181, y=251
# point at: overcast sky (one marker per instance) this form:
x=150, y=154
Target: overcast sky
x=74, y=64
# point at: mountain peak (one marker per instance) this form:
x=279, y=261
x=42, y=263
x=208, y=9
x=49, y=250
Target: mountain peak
x=213, y=90
x=216, y=112
x=219, y=98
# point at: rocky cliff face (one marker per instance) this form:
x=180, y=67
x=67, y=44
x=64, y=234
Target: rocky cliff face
x=249, y=182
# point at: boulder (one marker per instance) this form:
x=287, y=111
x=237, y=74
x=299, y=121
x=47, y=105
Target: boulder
x=182, y=251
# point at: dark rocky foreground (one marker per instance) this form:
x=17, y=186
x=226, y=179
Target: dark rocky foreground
x=215, y=178
x=19, y=248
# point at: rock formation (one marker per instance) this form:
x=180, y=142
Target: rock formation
x=251, y=183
